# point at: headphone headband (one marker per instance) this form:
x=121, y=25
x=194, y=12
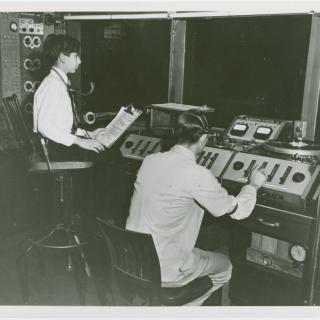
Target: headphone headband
x=203, y=121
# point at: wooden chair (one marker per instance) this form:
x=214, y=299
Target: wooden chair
x=135, y=271
x=62, y=176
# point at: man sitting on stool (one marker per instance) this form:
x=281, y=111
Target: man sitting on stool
x=170, y=194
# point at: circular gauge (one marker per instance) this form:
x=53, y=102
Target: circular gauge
x=298, y=253
x=13, y=26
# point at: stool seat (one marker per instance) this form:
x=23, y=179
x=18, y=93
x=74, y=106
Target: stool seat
x=41, y=166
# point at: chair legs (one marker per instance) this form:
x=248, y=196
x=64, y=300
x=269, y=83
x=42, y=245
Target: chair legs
x=76, y=260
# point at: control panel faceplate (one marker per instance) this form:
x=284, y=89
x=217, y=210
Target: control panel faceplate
x=287, y=181
x=214, y=159
x=245, y=128
x=137, y=147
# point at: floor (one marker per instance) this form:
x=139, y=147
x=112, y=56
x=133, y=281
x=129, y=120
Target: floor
x=57, y=287
x=26, y=205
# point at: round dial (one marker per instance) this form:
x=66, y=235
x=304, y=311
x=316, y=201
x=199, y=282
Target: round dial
x=13, y=26
x=129, y=144
x=298, y=253
x=238, y=165
x=298, y=177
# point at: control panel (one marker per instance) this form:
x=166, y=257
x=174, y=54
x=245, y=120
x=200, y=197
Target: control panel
x=245, y=128
x=214, y=159
x=31, y=32
x=288, y=182
x=137, y=146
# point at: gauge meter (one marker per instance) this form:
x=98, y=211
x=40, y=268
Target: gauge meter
x=239, y=129
x=263, y=133
x=298, y=253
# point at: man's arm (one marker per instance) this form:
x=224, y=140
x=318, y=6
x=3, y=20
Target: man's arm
x=208, y=192
x=245, y=203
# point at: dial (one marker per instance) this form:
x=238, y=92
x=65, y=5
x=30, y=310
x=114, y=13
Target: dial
x=13, y=26
x=129, y=144
x=298, y=253
x=238, y=165
x=298, y=177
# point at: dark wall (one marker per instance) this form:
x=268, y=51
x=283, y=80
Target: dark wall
x=247, y=65
x=130, y=69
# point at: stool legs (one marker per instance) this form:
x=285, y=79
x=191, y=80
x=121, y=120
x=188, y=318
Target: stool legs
x=76, y=263
x=23, y=277
x=76, y=260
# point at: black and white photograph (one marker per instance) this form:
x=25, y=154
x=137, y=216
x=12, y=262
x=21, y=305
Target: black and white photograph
x=160, y=157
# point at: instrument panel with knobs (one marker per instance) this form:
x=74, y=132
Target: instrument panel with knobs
x=137, y=147
x=288, y=182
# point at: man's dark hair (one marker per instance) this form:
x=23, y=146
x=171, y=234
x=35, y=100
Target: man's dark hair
x=55, y=44
x=191, y=125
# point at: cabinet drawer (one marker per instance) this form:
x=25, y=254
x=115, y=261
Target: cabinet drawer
x=278, y=227
x=252, y=285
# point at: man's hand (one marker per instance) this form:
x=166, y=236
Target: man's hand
x=90, y=144
x=257, y=178
x=93, y=134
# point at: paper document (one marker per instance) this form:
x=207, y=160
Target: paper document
x=178, y=107
x=122, y=121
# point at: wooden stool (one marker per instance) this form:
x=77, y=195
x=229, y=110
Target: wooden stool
x=62, y=174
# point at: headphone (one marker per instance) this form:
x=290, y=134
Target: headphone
x=203, y=120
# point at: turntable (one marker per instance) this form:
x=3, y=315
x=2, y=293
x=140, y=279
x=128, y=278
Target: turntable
x=294, y=147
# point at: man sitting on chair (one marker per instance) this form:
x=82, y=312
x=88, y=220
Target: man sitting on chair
x=171, y=193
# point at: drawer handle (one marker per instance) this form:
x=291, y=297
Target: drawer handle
x=269, y=224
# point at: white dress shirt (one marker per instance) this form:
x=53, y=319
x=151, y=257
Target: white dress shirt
x=170, y=194
x=52, y=109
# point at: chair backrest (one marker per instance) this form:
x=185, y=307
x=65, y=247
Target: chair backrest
x=16, y=122
x=135, y=268
x=20, y=131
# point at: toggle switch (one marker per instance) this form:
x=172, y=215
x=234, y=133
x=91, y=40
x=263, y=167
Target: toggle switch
x=285, y=175
x=137, y=146
x=273, y=172
x=200, y=156
x=206, y=158
x=263, y=166
x=154, y=148
x=212, y=160
x=143, y=150
x=249, y=169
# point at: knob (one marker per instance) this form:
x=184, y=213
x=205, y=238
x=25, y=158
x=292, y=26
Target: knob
x=238, y=165
x=128, y=144
x=298, y=177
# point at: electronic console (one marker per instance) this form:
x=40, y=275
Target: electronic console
x=283, y=214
